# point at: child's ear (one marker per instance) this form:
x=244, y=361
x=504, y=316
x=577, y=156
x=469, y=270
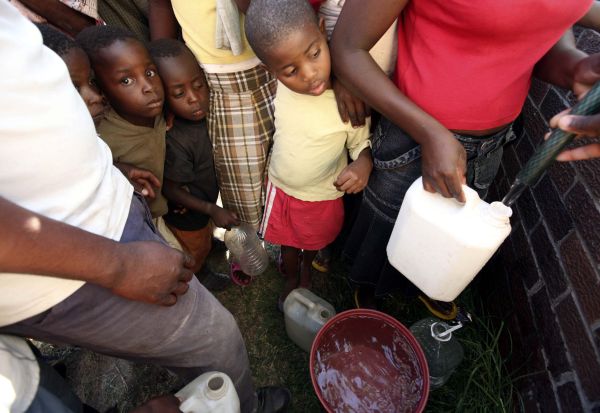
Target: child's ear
x=322, y=25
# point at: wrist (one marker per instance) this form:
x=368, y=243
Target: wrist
x=112, y=266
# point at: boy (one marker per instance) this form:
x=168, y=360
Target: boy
x=134, y=128
x=308, y=172
x=80, y=72
x=189, y=177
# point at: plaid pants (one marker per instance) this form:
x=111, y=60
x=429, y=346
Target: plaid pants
x=241, y=129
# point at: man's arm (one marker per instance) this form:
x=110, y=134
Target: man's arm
x=141, y=271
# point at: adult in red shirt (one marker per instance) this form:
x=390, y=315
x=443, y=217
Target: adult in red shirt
x=462, y=76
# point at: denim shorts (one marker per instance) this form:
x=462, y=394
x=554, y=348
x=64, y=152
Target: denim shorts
x=396, y=165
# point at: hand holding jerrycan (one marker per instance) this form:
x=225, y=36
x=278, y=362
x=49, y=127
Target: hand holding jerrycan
x=440, y=244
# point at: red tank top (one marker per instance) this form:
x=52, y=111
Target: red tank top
x=469, y=63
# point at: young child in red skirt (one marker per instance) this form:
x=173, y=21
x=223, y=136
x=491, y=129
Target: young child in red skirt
x=309, y=171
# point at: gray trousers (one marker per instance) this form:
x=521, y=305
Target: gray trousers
x=194, y=336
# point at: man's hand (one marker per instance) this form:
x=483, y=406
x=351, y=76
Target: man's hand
x=584, y=127
x=355, y=176
x=351, y=109
x=151, y=272
x=162, y=404
x=224, y=218
x=143, y=181
x=586, y=74
x=444, y=164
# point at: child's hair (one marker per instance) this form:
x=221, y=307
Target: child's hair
x=58, y=42
x=95, y=38
x=268, y=22
x=167, y=48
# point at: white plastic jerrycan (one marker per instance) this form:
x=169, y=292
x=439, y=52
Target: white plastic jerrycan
x=440, y=244
x=305, y=314
x=210, y=392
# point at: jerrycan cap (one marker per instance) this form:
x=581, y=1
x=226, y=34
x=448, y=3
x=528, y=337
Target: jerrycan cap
x=499, y=212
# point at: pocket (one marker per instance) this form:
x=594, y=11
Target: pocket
x=392, y=147
x=486, y=167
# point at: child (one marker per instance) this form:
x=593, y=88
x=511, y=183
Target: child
x=308, y=172
x=81, y=75
x=189, y=176
x=134, y=128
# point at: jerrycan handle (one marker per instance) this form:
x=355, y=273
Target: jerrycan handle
x=471, y=199
x=305, y=301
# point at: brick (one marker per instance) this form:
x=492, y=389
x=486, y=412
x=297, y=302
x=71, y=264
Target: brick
x=584, y=279
x=549, y=333
x=545, y=394
x=525, y=268
x=589, y=42
x=597, y=338
x=552, y=104
x=563, y=175
x=538, y=90
x=524, y=149
x=511, y=163
x=535, y=125
x=553, y=210
x=528, y=210
x=587, y=218
x=590, y=173
x=524, y=315
x=580, y=348
x=569, y=398
x=547, y=262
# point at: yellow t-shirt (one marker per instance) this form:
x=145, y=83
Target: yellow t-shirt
x=311, y=145
x=198, y=21
x=140, y=147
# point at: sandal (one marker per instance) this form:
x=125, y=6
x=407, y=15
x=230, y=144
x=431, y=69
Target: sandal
x=322, y=261
x=238, y=276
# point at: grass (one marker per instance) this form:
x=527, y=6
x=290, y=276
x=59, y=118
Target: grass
x=481, y=382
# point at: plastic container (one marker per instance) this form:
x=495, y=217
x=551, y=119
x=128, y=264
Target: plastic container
x=367, y=361
x=305, y=313
x=442, y=351
x=211, y=392
x=247, y=249
x=440, y=244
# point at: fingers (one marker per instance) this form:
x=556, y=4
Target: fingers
x=188, y=262
x=181, y=288
x=582, y=153
x=343, y=111
x=144, y=187
x=581, y=125
x=146, y=176
x=168, y=300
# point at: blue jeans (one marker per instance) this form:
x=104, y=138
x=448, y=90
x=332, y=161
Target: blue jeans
x=397, y=164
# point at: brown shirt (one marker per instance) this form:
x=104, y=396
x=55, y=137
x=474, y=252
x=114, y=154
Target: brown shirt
x=139, y=146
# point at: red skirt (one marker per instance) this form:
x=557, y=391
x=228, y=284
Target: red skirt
x=300, y=224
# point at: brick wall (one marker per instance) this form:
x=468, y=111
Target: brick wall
x=546, y=278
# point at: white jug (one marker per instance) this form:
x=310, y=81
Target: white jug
x=210, y=392
x=440, y=244
x=305, y=313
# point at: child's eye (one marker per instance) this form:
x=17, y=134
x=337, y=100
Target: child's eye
x=317, y=53
x=292, y=72
x=150, y=72
x=127, y=81
x=198, y=85
x=178, y=94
